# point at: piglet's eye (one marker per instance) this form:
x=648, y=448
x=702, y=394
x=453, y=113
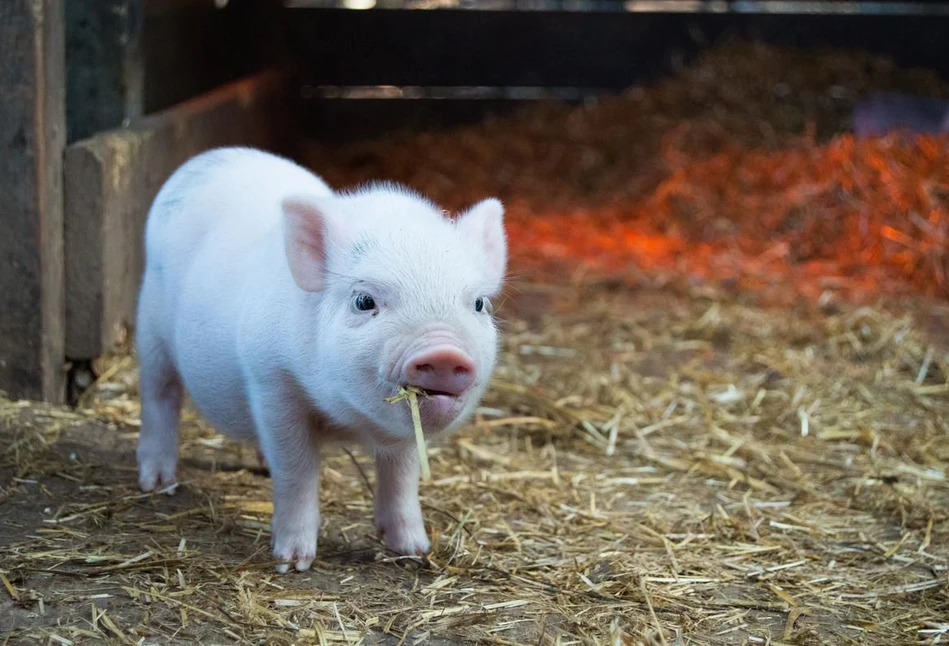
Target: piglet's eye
x=483, y=305
x=364, y=303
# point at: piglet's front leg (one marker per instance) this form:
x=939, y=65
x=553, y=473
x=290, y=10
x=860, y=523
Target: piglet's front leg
x=293, y=457
x=398, y=512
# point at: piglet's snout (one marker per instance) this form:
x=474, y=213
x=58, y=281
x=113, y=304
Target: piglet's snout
x=445, y=369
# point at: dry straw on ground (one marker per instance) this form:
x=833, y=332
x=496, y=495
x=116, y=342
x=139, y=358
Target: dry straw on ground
x=718, y=472
x=657, y=461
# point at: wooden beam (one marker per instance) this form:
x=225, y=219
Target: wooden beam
x=32, y=136
x=571, y=49
x=112, y=178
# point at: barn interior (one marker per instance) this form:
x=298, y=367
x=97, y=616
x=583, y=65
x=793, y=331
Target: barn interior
x=721, y=411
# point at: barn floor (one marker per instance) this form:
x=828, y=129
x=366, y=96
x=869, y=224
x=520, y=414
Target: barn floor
x=723, y=420
x=723, y=470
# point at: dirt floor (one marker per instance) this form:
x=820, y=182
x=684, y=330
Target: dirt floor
x=713, y=422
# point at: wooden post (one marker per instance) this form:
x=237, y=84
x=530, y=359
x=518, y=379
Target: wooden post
x=112, y=178
x=32, y=138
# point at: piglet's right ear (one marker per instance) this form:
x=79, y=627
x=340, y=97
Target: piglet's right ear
x=305, y=240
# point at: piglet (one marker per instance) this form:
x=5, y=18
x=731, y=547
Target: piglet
x=289, y=313
x=888, y=112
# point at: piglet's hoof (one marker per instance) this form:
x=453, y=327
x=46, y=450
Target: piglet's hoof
x=157, y=473
x=407, y=538
x=298, y=552
x=295, y=532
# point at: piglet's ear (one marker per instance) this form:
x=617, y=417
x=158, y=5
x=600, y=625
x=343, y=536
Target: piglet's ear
x=483, y=225
x=306, y=241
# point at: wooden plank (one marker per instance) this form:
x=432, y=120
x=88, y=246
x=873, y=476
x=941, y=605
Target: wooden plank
x=112, y=178
x=340, y=121
x=32, y=136
x=104, y=72
x=786, y=7
x=565, y=49
x=475, y=48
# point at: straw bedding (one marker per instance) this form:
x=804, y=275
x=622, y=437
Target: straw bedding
x=680, y=446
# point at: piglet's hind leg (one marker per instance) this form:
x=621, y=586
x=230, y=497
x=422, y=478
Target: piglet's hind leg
x=161, y=393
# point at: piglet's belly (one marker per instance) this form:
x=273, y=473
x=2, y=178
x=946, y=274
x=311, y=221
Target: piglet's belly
x=213, y=380
x=222, y=403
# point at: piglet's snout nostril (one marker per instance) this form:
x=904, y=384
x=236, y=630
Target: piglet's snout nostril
x=446, y=370
x=460, y=371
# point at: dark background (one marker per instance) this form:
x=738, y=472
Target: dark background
x=191, y=46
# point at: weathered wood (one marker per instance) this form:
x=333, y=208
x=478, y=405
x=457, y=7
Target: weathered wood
x=104, y=70
x=32, y=136
x=112, y=178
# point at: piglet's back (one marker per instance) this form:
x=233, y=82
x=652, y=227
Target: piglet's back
x=230, y=196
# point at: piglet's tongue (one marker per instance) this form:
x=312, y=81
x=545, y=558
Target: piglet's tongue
x=428, y=392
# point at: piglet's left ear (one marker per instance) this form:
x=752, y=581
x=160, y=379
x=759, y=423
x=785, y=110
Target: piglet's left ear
x=483, y=225
x=306, y=241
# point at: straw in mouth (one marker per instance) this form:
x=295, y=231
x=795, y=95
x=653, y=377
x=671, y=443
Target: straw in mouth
x=411, y=393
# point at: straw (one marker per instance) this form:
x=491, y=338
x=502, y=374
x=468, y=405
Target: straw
x=411, y=394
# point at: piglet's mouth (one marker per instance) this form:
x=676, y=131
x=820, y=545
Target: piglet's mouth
x=438, y=408
x=428, y=392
